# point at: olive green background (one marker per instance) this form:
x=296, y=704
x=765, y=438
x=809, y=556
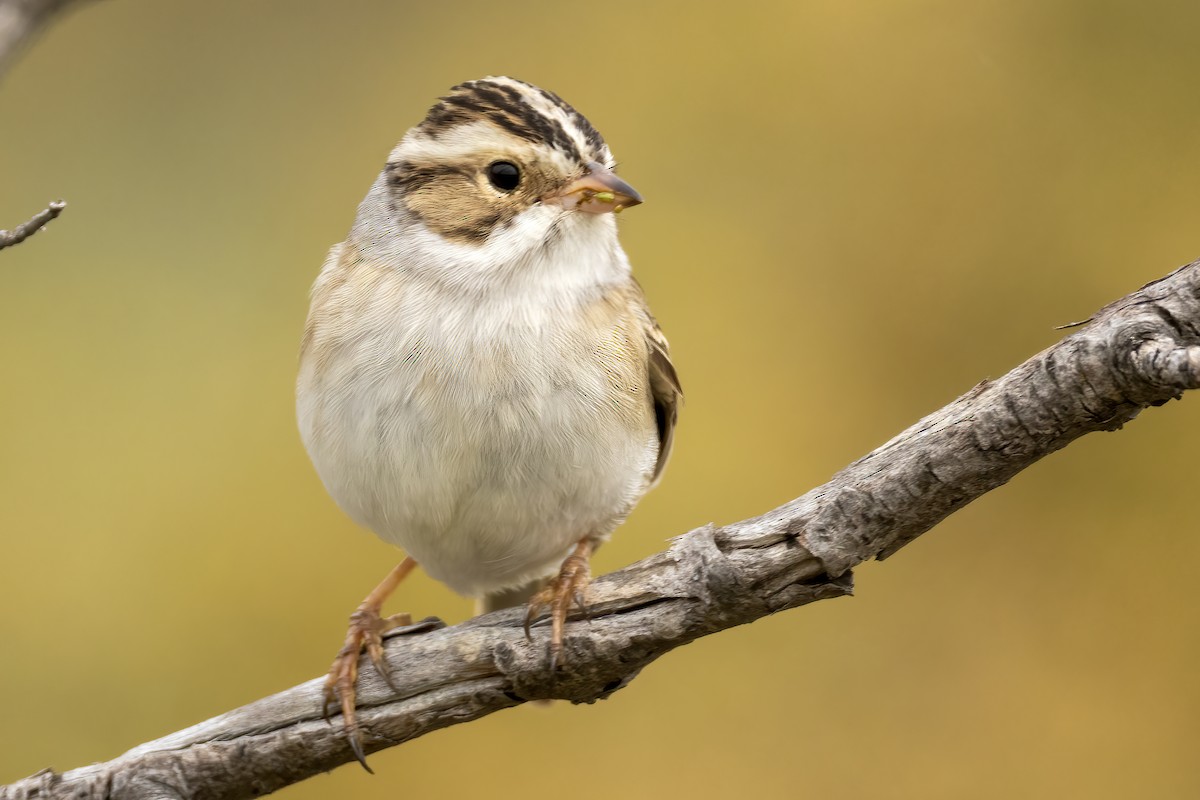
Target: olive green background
x=855, y=211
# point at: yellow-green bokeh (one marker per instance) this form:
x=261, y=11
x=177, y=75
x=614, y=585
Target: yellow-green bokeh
x=855, y=212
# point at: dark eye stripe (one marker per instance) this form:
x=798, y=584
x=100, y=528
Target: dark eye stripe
x=408, y=176
x=434, y=194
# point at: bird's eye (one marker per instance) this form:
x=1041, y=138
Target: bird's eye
x=504, y=175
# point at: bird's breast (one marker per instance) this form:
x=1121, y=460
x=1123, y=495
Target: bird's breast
x=484, y=439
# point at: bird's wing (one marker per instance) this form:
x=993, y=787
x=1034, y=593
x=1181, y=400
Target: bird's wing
x=665, y=389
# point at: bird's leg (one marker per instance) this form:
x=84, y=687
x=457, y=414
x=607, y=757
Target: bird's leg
x=365, y=633
x=569, y=585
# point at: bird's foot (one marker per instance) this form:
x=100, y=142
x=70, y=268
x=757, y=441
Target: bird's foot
x=366, y=632
x=566, y=587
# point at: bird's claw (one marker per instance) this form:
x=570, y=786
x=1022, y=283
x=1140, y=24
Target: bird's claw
x=568, y=586
x=365, y=633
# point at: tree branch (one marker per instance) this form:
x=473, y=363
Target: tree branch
x=1141, y=351
x=24, y=231
x=20, y=22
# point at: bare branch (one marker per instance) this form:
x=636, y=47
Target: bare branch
x=24, y=231
x=20, y=22
x=1140, y=351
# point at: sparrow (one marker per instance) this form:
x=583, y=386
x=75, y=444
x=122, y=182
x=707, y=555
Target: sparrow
x=481, y=381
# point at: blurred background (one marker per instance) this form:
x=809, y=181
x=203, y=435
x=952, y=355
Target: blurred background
x=855, y=212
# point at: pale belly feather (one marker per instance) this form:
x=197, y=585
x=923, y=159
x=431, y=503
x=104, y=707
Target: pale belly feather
x=484, y=449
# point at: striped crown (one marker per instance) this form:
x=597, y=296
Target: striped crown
x=521, y=109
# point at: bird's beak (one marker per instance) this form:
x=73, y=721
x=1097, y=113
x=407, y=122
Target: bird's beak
x=597, y=192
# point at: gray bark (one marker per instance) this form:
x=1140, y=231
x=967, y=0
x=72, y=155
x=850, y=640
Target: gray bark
x=35, y=224
x=1141, y=351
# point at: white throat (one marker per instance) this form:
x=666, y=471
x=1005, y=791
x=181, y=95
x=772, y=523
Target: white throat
x=545, y=257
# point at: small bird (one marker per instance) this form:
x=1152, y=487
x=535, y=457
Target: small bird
x=481, y=381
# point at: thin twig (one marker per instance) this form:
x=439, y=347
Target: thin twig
x=1141, y=351
x=24, y=231
x=20, y=22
